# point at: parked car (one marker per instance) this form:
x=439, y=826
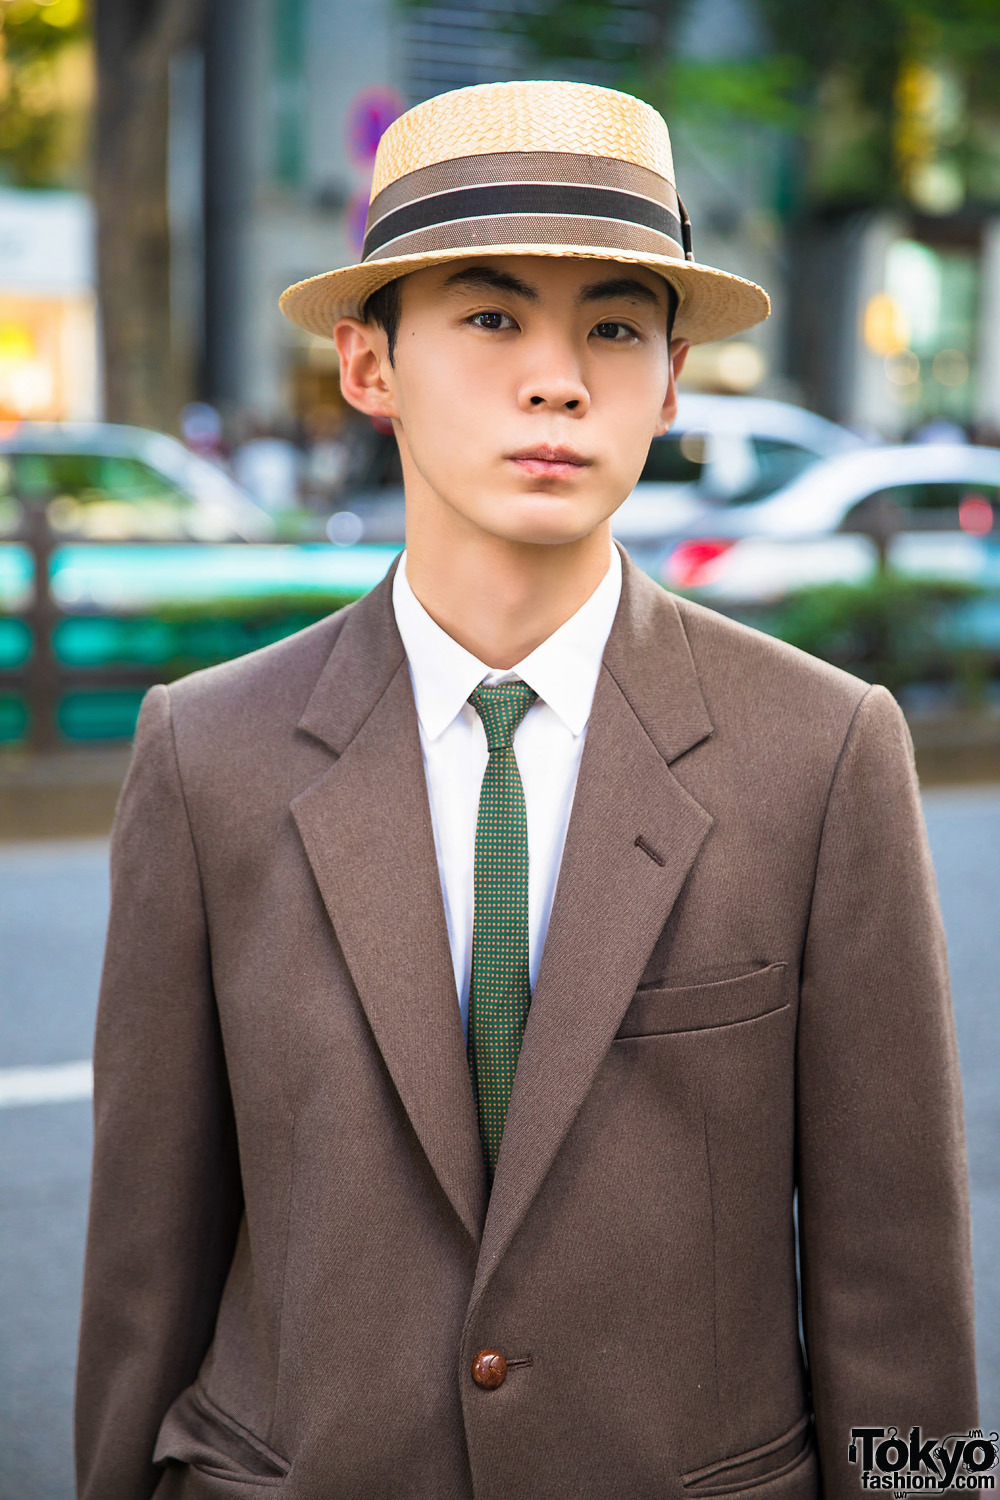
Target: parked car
x=936, y=505
x=116, y=483
x=924, y=485
x=101, y=483
x=151, y=574
x=720, y=452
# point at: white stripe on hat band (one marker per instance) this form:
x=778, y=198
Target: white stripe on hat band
x=471, y=241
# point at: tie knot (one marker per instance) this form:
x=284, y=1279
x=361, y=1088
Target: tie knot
x=501, y=706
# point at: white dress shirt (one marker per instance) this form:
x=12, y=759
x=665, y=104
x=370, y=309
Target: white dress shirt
x=548, y=744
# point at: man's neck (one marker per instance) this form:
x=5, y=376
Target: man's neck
x=501, y=599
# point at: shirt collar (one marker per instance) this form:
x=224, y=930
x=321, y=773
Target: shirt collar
x=563, y=670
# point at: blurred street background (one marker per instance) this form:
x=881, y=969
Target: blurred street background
x=181, y=480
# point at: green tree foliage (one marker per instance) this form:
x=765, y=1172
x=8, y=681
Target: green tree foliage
x=875, y=100
x=45, y=92
x=597, y=32
x=899, y=97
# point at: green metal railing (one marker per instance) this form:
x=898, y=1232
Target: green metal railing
x=72, y=673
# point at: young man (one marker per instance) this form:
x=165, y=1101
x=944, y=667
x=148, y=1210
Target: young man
x=520, y=808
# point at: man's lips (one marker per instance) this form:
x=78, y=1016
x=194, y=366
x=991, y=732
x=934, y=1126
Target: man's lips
x=555, y=463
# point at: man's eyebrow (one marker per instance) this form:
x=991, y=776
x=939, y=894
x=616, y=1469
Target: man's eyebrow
x=487, y=279
x=617, y=286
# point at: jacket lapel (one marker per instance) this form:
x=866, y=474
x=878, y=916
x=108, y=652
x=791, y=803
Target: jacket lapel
x=613, y=896
x=367, y=831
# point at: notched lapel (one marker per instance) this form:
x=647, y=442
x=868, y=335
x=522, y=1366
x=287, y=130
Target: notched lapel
x=613, y=898
x=366, y=827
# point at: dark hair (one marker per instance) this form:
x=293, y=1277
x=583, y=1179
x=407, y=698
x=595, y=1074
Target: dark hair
x=384, y=306
x=673, y=302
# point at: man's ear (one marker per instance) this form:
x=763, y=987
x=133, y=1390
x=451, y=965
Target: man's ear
x=678, y=354
x=365, y=370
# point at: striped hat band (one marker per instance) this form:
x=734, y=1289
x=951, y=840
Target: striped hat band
x=528, y=197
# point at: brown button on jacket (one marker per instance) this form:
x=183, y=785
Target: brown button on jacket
x=292, y=1264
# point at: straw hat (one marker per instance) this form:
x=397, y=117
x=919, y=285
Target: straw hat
x=540, y=168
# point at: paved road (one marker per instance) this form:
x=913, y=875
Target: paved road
x=53, y=901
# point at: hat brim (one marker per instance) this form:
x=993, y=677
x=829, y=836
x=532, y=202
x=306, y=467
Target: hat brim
x=712, y=304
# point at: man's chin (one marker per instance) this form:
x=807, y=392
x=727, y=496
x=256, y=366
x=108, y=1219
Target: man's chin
x=541, y=520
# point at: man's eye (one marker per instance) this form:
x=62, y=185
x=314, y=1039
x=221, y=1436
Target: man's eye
x=618, y=333
x=495, y=322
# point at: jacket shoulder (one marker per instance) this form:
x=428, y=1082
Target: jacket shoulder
x=776, y=705
x=234, y=731
x=726, y=650
x=273, y=681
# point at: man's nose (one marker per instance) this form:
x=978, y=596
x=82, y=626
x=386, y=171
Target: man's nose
x=555, y=381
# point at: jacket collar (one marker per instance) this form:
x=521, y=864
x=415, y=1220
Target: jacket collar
x=563, y=669
x=367, y=653
x=647, y=654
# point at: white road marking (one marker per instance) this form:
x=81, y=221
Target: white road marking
x=56, y=1084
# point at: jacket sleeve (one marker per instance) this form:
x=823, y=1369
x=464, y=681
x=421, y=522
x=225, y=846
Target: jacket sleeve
x=165, y=1198
x=882, y=1180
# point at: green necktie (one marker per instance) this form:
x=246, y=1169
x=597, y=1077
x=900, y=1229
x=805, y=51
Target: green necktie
x=500, y=991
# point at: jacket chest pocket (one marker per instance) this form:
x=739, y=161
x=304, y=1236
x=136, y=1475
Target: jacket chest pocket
x=665, y=1009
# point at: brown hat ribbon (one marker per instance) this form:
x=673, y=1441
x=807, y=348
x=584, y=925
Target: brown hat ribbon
x=528, y=198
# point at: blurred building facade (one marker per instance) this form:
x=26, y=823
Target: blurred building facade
x=928, y=316
x=886, y=311
x=897, y=321
x=884, y=320
x=48, y=309
x=295, y=92
x=48, y=316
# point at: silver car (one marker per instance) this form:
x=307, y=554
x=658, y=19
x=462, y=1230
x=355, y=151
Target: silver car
x=722, y=453
x=107, y=482
x=936, y=508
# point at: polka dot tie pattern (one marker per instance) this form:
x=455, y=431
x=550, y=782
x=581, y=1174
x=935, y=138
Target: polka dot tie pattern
x=500, y=992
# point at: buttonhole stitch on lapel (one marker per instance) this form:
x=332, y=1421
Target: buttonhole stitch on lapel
x=515, y=1364
x=646, y=849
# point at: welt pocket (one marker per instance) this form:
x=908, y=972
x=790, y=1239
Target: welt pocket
x=742, y=1471
x=197, y=1432
x=698, y=1007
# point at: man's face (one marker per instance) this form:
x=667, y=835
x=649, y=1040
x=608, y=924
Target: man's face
x=525, y=391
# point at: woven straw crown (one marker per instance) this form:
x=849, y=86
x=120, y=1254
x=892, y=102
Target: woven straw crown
x=541, y=168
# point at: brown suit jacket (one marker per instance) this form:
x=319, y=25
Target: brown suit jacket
x=292, y=1261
